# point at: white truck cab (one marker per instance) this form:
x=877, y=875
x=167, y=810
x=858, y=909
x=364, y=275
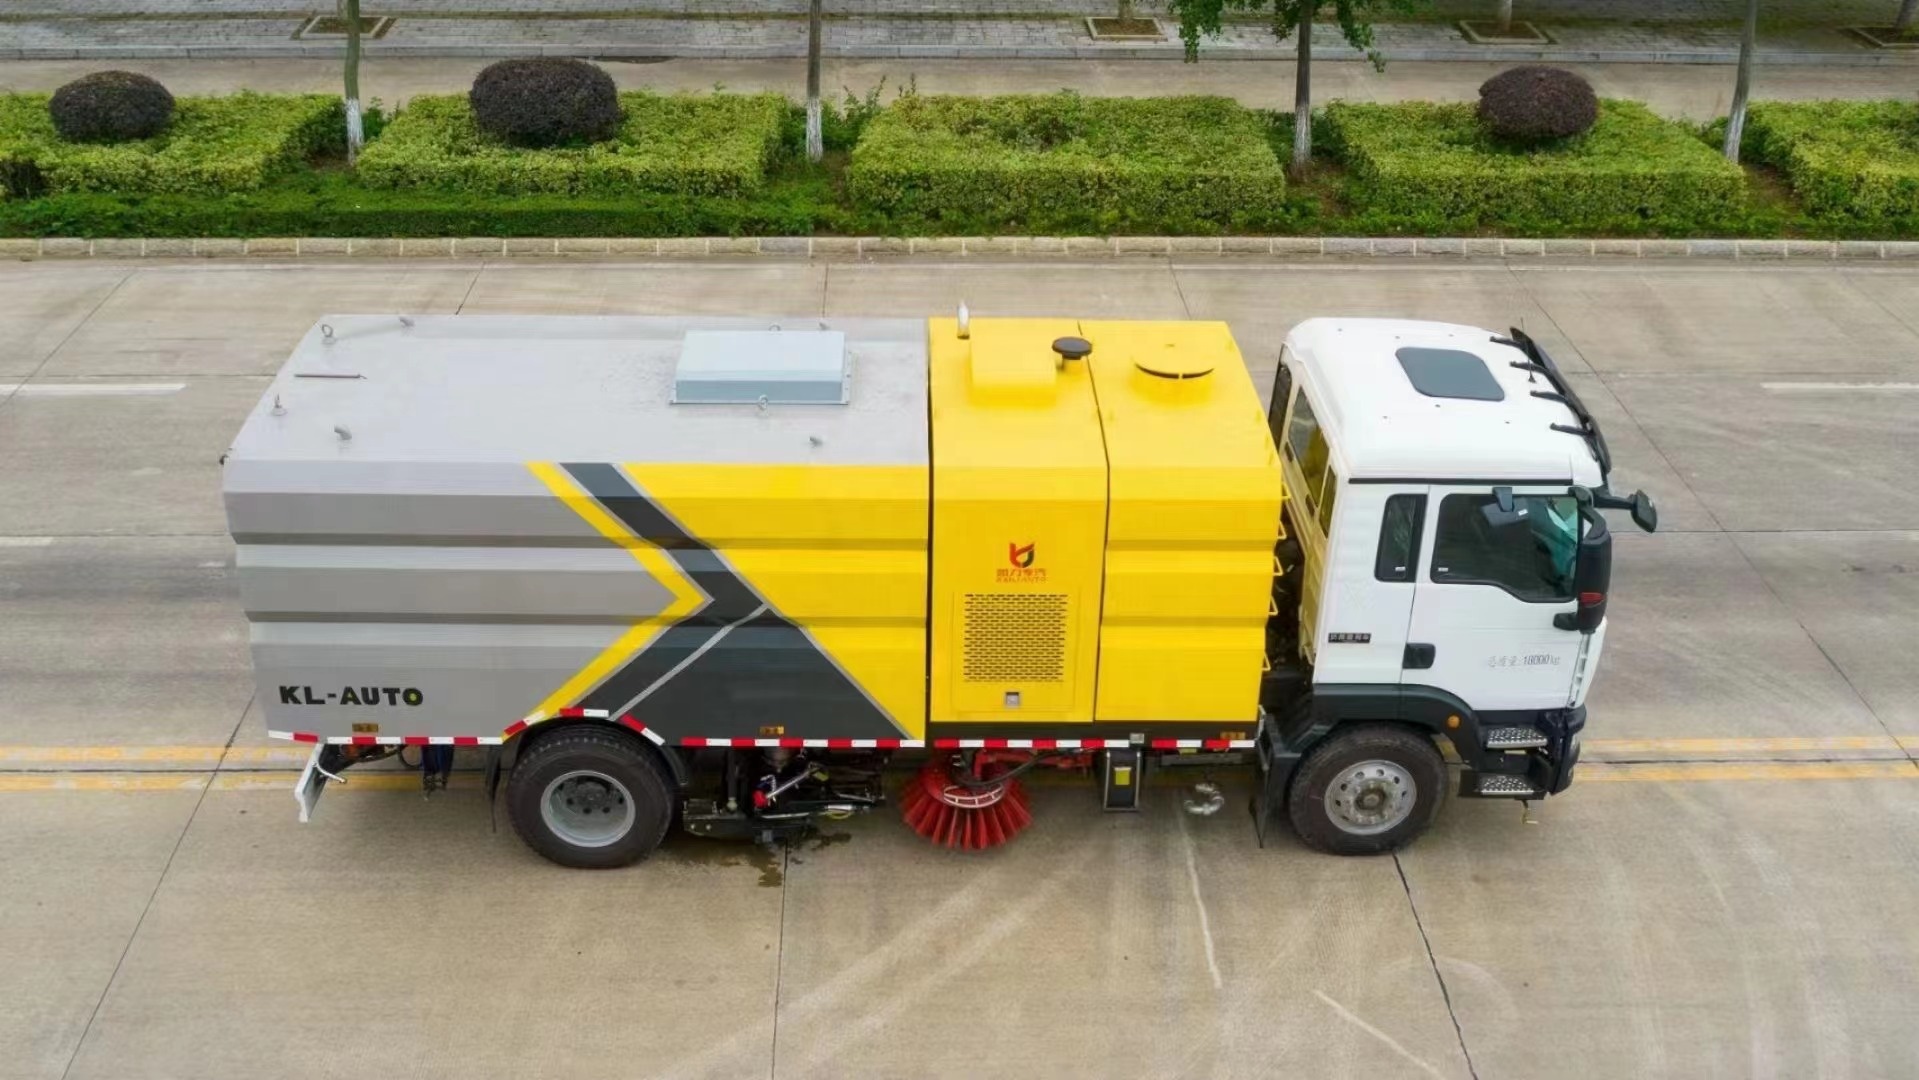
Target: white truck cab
x=1445, y=552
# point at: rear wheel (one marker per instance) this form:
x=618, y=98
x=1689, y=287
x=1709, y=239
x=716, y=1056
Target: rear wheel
x=589, y=797
x=1367, y=790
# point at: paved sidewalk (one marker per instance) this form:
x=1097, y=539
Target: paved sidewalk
x=1642, y=31
x=1690, y=91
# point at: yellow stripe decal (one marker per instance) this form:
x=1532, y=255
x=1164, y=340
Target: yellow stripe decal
x=686, y=596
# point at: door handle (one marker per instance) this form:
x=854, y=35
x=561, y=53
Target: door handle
x=1418, y=657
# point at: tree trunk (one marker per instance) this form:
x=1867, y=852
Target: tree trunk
x=1907, y=11
x=1126, y=9
x=1303, y=95
x=1736, y=120
x=1505, y=18
x=815, y=140
x=355, y=133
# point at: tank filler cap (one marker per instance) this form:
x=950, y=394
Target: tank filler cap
x=1072, y=348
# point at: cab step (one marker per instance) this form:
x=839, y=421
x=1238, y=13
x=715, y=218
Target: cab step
x=1513, y=737
x=1502, y=786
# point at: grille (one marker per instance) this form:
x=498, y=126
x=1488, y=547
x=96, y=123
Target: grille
x=1015, y=638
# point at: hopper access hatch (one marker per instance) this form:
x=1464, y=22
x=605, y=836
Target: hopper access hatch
x=770, y=367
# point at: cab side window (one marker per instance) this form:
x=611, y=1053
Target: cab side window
x=1527, y=551
x=1305, y=443
x=1399, y=532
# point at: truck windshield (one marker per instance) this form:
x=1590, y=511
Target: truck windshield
x=1528, y=551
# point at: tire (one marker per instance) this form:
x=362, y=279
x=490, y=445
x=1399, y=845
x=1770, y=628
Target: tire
x=1395, y=781
x=590, y=798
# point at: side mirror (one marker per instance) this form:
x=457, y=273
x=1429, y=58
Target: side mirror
x=1592, y=575
x=1644, y=513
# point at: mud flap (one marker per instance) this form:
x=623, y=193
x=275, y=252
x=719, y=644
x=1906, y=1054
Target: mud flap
x=312, y=781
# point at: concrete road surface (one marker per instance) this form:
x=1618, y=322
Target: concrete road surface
x=1726, y=892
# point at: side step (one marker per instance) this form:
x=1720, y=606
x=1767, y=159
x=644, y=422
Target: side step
x=1499, y=786
x=1516, y=737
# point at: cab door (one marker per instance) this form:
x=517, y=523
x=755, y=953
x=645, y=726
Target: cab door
x=1497, y=572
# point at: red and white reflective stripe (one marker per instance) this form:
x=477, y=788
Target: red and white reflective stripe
x=1032, y=744
x=530, y=719
x=388, y=740
x=632, y=722
x=830, y=744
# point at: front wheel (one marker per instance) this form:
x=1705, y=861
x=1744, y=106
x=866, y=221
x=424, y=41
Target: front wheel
x=590, y=798
x=1367, y=790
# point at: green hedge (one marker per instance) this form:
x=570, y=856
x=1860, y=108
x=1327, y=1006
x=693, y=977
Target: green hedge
x=1065, y=163
x=214, y=145
x=720, y=144
x=1850, y=162
x=1433, y=168
x=333, y=204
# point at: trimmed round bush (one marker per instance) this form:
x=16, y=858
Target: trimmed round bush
x=545, y=101
x=110, y=106
x=1532, y=104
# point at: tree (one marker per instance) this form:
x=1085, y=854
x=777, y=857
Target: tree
x=1902, y=26
x=815, y=140
x=1354, y=17
x=1505, y=18
x=1742, y=89
x=355, y=131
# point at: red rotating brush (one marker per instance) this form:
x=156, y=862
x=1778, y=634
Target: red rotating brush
x=954, y=816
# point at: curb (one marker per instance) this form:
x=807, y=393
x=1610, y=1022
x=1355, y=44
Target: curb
x=1169, y=52
x=857, y=247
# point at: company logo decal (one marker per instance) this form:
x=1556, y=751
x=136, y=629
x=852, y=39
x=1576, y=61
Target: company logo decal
x=1021, y=570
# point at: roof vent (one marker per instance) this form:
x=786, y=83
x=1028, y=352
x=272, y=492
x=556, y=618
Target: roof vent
x=1449, y=373
x=773, y=367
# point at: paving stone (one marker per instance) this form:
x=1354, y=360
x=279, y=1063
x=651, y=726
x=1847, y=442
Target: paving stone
x=619, y=245
x=1398, y=246
x=1266, y=245
x=683, y=245
x=1510, y=248
x=322, y=245
x=19, y=249
x=375, y=246
x=219, y=247
x=1860, y=249
x=1762, y=249
x=1575, y=248
x=1623, y=248
x=936, y=245
x=1810, y=249
x=1088, y=245
x=786, y=245
x=273, y=246
x=479, y=245
x=1346, y=245
x=884, y=245
x=1662, y=248
x=117, y=249
x=1441, y=246
x=733, y=245
x=581, y=245
x=1140, y=245
x=426, y=247
x=1712, y=249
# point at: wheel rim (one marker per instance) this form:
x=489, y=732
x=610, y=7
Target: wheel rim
x=587, y=808
x=1371, y=797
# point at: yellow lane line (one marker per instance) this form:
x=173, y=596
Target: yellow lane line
x=183, y=756
x=268, y=780
x=1602, y=772
x=1796, y=744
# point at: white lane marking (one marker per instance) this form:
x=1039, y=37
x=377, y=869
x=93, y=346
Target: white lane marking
x=91, y=389
x=1205, y=924
x=1378, y=1034
x=1843, y=387
x=25, y=541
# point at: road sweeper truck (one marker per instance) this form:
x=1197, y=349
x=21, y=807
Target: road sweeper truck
x=720, y=573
